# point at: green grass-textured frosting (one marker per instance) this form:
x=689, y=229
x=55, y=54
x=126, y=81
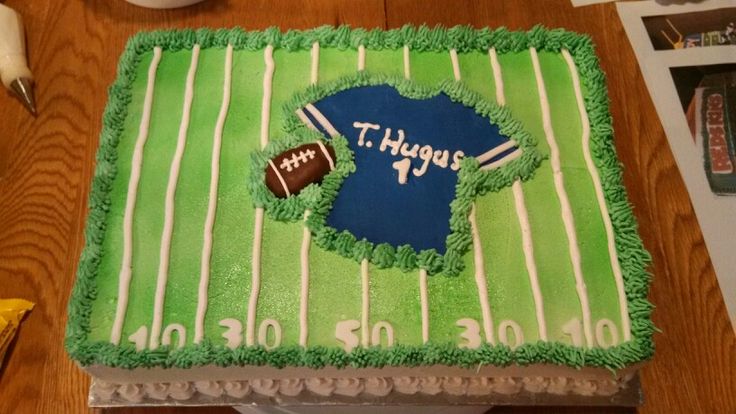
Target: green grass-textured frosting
x=472, y=180
x=632, y=255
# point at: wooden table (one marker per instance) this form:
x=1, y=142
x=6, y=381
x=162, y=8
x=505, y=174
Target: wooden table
x=46, y=164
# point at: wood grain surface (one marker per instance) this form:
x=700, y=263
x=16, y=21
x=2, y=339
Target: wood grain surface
x=46, y=165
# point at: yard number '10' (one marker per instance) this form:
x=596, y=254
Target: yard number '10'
x=140, y=336
x=574, y=329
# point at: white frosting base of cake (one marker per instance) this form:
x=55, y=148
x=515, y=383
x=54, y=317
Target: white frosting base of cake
x=355, y=387
x=161, y=384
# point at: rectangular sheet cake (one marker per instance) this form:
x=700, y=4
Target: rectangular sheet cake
x=358, y=212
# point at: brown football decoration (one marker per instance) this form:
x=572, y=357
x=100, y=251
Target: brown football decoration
x=292, y=170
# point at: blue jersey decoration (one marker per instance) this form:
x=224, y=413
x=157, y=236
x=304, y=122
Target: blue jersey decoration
x=407, y=156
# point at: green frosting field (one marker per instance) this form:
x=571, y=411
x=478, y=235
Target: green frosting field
x=335, y=281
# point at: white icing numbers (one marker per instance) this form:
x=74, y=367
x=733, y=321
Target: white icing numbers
x=600, y=334
x=427, y=154
x=471, y=334
x=402, y=166
x=263, y=333
x=234, y=332
x=574, y=329
x=473, y=339
x=140, y=336
x=503, y=329
x=376, y=333
x=181, y=334
x=346, y=332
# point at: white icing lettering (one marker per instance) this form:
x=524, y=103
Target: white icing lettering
x=388, y=142
x=600, y=336
x=345, y=333
x=409, y=153
x=456, y=158
x=181, y=334
x=425, y=154
x=440, y=158
x=503, y=333
x=263, y=333
x=139, y=338
x=471, y=334
x=364, y=127
x=376, y=333
x=403, y=168
x=399, y=146
x=234, y=332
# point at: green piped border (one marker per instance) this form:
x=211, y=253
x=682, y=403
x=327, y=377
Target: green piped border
x=632, y=255
x=472, y=180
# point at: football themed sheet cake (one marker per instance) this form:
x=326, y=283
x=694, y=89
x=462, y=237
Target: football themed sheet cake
x=358, y=213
